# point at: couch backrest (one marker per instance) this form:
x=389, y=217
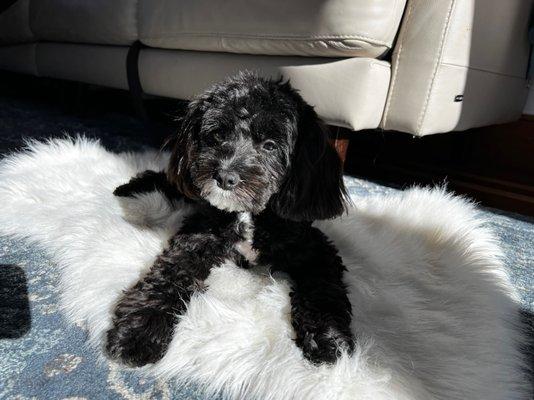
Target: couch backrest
x=332, y=28
x=324, y=28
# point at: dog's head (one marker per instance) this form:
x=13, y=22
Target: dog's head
x=251, y=143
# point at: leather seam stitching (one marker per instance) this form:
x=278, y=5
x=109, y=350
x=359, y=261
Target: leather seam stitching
x=396, y=70
x=379, y=64
x=422, y=115
x=393, y=29
x=269, y=37
x=484, y=70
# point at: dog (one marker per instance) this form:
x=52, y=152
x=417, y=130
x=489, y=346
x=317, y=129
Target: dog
x=254, y=159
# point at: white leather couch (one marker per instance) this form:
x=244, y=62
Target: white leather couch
x=417, y=66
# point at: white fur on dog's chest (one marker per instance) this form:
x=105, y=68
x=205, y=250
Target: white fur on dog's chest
x=244, y=247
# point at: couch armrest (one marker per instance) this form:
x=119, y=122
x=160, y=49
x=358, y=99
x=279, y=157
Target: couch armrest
x=458, y=64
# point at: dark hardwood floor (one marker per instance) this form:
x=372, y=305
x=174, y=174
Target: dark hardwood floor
x=494, y=165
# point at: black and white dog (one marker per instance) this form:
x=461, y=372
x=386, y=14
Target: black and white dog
x=255, y=159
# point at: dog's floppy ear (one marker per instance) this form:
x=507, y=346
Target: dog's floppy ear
x=183, y=148
x=313, y=188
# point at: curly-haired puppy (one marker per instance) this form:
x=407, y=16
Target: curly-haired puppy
x=254, y=158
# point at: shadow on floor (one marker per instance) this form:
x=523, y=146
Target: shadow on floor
x=527, y=317
x=15, y=318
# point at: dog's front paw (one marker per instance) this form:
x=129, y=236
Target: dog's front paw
x=143, y=182
x=324, y=344
x=146, y=182
x=139, y=339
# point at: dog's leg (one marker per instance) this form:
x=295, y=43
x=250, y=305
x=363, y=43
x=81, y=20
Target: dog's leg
x=145, y=316
x=321, y=312
x=148, y=181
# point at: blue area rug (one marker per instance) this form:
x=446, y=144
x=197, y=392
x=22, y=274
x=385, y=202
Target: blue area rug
x=43, y=357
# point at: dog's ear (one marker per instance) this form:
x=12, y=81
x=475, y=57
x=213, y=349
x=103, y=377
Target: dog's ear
x=183, y=147
x=313, y=188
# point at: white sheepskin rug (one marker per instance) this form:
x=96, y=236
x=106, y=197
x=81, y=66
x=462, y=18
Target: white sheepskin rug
x=435, y=316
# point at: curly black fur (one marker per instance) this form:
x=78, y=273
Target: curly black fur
x=146, y=314
x=284, y=176
x=320, y=309
x=148, y=181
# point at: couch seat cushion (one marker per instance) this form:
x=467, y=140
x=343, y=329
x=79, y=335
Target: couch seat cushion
x=96, y=21
x=344, y=28
x=345, y=92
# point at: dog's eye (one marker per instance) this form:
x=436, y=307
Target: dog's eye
x=218, y=136
x=269, y=145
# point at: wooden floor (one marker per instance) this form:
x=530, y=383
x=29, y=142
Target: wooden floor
x=494, y=165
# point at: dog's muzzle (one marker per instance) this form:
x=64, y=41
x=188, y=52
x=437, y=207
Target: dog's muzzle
x=226, y=180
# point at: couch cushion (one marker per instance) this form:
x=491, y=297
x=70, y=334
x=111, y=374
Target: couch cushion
x=345, y=92
x=79, y=21
x=107, y=63
x=15, y=23
x=19, y=58
x=331, y=28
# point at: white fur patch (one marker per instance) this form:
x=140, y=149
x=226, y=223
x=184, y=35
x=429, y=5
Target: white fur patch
x=245, y=247
x=434, y=314
x=220, y=198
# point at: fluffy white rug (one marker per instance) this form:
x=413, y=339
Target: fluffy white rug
x=434, y=314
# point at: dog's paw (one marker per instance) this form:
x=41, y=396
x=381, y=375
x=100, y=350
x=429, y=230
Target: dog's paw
x=147, y=182
x=124, y=191
x=139, y=339
x=324, y=344
x=143, y=182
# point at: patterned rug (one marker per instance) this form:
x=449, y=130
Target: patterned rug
x=43, y=357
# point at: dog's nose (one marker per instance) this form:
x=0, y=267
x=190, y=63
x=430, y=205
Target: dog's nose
x=226, y=180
